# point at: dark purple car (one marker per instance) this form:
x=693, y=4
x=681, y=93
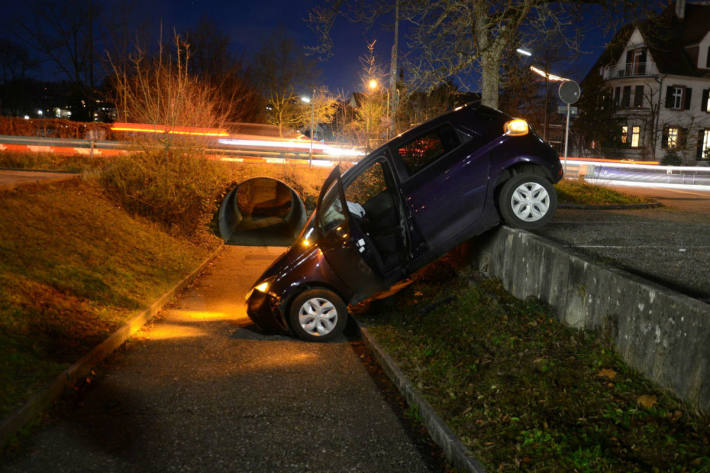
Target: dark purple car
x=402, y=206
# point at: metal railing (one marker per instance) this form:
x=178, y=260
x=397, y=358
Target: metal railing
x=697, y=177
x=633, y=69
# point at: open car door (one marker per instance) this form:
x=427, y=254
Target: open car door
x=344, y=243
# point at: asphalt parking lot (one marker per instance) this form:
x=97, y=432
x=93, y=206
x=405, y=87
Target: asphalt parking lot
x=669, y=245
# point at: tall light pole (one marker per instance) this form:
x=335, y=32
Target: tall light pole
x=310, y=101
x=372, y=85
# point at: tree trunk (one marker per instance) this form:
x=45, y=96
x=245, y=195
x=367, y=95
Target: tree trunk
x=490, y=78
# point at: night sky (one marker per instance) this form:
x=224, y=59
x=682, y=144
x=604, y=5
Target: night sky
x=249, y=23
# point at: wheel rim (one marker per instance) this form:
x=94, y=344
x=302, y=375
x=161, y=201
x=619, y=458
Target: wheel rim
x=530, y=201
x=318, y=316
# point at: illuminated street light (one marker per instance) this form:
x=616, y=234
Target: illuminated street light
x=523, y=52
x=372, y=84
x=548, y=76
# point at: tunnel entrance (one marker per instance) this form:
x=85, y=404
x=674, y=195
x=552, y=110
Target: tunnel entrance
x=261, y=212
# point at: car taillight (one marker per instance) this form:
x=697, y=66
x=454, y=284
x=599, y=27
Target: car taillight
x=516, y=127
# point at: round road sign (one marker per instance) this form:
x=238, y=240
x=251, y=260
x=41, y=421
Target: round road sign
x=569, y=91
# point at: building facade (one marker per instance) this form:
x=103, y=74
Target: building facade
x=657, y=77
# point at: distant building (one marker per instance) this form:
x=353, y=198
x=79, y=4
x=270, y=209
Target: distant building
x=656, y=75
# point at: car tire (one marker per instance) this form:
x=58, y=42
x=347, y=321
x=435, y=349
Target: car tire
x=527, y=201
x=317, y=315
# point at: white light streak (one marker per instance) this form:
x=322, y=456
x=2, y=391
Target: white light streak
x=549, y=76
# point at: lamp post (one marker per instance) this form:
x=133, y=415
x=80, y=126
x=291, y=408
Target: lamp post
x=372, y=85
x=310, y=101
x=569, y=92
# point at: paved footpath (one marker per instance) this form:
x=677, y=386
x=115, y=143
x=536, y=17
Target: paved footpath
x=669, y=245
x=202, y=390
x=9, y=179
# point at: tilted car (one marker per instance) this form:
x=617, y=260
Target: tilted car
x=402, y=206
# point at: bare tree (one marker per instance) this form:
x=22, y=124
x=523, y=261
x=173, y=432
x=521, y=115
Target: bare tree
x=451, y=38
x=15, y=61
x=322, y=18
x=213, y=60
x=65, y=32
x=282, y=73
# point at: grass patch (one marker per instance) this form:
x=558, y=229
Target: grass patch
x=49, y=161
x=73, y=267
x=526, y=393
x=579, y=192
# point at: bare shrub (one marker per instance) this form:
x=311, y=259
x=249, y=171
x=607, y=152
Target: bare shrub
x=160, y=90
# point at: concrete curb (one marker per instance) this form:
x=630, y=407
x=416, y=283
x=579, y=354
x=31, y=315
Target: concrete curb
x=610, y=207
x=455, y=451
x=38, y=403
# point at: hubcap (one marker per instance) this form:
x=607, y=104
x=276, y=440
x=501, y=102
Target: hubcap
x=318, y=316
x=530, y=202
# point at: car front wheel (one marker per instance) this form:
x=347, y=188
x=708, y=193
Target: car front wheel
x=527, y=201
x=318, y=315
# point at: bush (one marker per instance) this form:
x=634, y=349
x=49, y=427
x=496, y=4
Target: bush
x=671, y=159
x=48, y=161
x=175, y=188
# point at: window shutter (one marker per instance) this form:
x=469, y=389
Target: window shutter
x=629, y=56
x=687, y=93
x=664, y=138
x=707, y=59
x=669, y=97
x=682, y=137
x=704, y=101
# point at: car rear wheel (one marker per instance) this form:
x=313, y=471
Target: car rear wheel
x=318, y=315
x=527, y=201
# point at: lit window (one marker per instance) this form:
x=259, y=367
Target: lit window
x=624, y=134
x=705, y=149
x=672, y=141
x=635, y=136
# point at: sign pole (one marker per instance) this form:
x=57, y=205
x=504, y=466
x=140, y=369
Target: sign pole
x=566, y=139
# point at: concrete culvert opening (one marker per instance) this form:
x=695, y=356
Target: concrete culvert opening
x=261, y=212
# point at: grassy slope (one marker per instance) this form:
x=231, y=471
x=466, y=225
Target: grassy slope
x=526, y=393
x=73, y=266
x=580, y=192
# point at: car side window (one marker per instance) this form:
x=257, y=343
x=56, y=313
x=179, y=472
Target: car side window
x=370, y=183
x=428, y=147
x=331, y=213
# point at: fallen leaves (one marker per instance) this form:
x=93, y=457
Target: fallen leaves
x=647, y=400
x=606, y=373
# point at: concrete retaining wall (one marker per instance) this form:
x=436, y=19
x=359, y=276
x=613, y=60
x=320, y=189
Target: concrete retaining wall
x=660, y=332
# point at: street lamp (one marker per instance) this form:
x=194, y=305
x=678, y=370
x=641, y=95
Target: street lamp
x=523, y=51
x=569, y=92
x=310, y=101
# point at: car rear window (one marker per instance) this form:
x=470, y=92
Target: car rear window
x=428, y=147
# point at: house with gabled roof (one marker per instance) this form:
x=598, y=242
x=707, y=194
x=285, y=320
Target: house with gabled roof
x=657, y=76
